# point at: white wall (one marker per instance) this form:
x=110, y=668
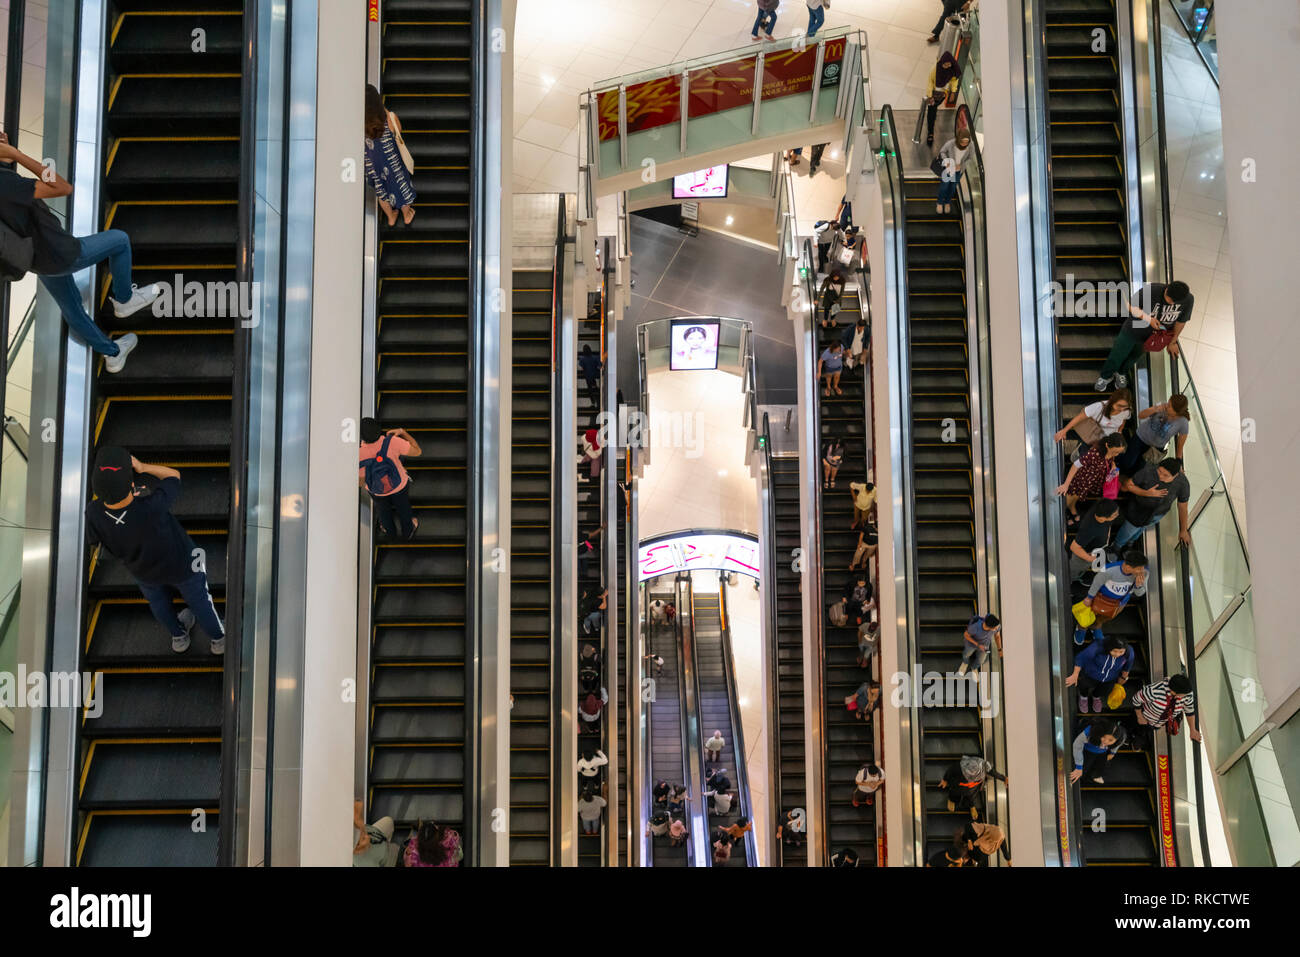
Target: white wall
x=1260, y=123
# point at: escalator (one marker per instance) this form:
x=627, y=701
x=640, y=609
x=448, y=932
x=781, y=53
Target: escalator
x=850, y=742
x=420, y=646
x=791, y=786
x=1090, y=241
x=716, y=683
x=530, y=567
x=943, y=484
x=171, y=180
x=591, y=575
x=618, y=653
x=666, y=720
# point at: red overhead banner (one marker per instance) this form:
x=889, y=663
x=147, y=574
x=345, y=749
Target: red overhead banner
x=723, y=86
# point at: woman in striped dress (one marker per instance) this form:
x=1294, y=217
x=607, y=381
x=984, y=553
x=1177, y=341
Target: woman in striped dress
x=384, y=167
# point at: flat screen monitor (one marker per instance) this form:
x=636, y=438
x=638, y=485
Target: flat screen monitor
x=695, y=345
x=708, y=183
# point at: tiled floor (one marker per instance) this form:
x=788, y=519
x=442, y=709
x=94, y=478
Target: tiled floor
x=563, y=47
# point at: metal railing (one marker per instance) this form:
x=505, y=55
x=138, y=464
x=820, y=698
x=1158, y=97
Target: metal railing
x=737, y=727
x=889, y=166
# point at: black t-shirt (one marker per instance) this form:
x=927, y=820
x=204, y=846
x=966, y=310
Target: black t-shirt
x=54, y=249
x=1092, y=534
x=1151, y=300
x=1142, y=510
x=145, y=536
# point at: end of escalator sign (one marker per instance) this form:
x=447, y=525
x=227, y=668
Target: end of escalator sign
x=374, y=11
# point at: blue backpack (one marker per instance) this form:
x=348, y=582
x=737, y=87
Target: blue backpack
x=381, y=471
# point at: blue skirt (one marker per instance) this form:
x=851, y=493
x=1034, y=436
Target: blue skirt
x=386, y=172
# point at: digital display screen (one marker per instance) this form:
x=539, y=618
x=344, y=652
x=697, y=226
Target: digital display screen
x=708, y=183
x=694, y=345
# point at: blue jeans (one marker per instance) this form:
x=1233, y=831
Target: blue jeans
x=113, y=245
x=765, y=15
x=973, y=655
x=815, y=20
x=195, y=594
x=1127, y=533
x=948, y=188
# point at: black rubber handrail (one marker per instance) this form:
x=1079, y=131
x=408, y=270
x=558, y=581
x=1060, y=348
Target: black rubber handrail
x=239, y=438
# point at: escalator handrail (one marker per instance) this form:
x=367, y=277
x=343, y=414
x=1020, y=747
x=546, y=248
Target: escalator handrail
x=737, y=728
x=987, y=575
x=902, y=489
x=560, y=391
x=775, y=802
x=814, y=714
x=692, y=752
x=1176, y=365
x=240, y=424
x=1050, y=418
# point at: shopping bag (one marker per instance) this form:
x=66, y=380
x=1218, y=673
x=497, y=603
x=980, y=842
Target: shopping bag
x=1115, y=699
x=1083, y=615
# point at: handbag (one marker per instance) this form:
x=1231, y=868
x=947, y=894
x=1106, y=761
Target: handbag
x=1116, y=697
x=1157, y=341
x=1105, y=608
x=845, y=255
x=1110, y=488
x=15, y=254
x=407, y=160
x=937, y=166
x=1089, y=430
x=1084, y=615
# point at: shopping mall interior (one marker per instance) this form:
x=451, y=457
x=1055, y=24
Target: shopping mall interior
x=786, y=433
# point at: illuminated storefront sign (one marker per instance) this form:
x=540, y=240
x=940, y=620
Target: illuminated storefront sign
x=691, y=551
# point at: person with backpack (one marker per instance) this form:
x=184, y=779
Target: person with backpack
x=964, y=783
x=983, y=842
x=831, y=292
x=1097, y=669
x=980, y=634
x=382, y=474
x=33, y=240
x=1095, y=745
x=954, y=855
x=134, y=523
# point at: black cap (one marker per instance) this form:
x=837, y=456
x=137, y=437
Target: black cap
x=113, y=475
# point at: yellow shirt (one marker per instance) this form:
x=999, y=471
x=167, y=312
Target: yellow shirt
x=862, y=499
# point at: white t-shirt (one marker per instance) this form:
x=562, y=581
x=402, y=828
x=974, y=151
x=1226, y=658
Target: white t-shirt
x=590, y=810
x=721, y=801
x=590, y=769
x=714, y=743
x=1110, y=424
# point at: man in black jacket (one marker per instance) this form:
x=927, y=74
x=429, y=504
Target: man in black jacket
x=135, y=525
x=57, y=255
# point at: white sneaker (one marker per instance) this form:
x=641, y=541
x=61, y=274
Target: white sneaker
x=218, y=646
x=118, y=362
x=139, y=299
x=963, y=669
x=181, y=643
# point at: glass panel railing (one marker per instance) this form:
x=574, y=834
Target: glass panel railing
x=1220, y=572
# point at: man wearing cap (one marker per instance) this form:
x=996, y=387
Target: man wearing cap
x=135, y=524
